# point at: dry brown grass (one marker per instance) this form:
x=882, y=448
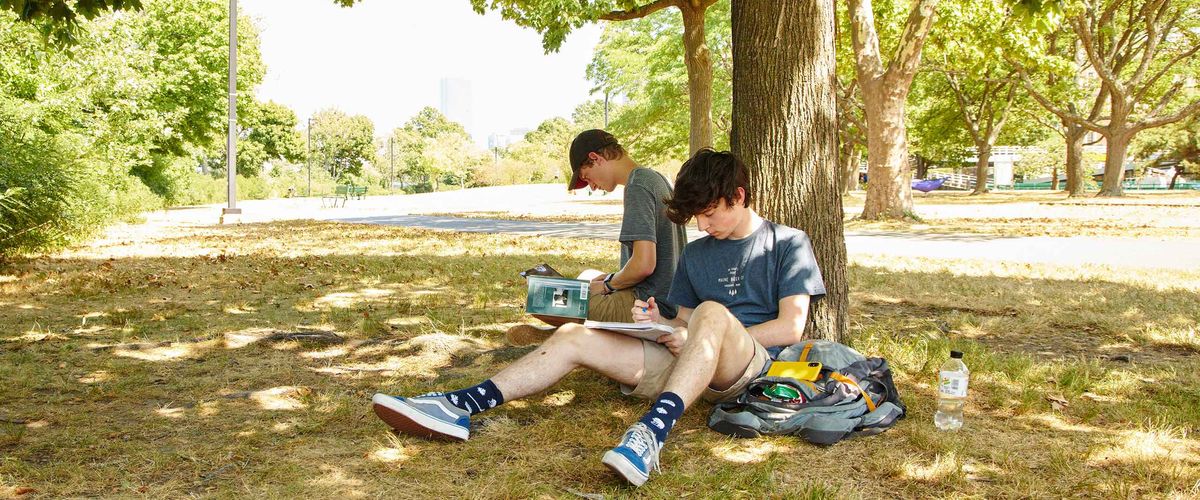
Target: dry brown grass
x=165, y=366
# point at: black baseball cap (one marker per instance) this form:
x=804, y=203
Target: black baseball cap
x=588, y=141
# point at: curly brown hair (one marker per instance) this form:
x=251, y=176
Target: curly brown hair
x=708, y=176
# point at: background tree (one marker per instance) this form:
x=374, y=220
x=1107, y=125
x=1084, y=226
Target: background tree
x=543, y=151
x=59, y=19
x=1178, y=143
x=785, y=129
x=885, y=86
x=641, y=62
x=1137, y=49
x=554, y=19
x=1062, y=71
x=435, y=149
x=342, y=144
x=980, y=81
x=268, y=134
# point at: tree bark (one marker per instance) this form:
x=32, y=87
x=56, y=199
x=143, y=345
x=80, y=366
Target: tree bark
x=785, y=130
x=700, y=77
x=1074, y=134
x=889, y=180
x=849, y=158
x=981, y=167
x=1114, y=164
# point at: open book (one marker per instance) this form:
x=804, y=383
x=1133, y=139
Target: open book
x=644, y=331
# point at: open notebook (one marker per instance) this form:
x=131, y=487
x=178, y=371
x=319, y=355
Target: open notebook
x=644, y=331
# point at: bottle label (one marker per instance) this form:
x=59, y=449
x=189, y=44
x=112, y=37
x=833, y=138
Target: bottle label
x=953, y=384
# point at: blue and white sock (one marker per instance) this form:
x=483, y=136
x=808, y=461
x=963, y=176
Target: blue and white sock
x=662, y=416
x=484, y=396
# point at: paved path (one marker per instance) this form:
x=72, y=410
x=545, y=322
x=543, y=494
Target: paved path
x=1127, y=252
x=551, y=199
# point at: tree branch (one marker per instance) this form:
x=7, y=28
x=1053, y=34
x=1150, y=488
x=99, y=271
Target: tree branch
x=1164, y=100
x=1092, y=50
x=963, y=107
x=908, y=53
x=994, y=132
x=1166, y=68
x=640, y=12
x=1061, y=113
x=1187, y=111
x=1152, y=40
x=867, y=60
x=1056, y=128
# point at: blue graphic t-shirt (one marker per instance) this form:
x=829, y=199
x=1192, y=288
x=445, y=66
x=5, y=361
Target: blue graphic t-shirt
x=748, y=276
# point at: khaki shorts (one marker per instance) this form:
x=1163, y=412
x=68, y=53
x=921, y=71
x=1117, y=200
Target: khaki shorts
x=660, y=362
x=616, y=306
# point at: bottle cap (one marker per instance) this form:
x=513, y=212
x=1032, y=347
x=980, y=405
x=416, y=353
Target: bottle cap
x=956, y=354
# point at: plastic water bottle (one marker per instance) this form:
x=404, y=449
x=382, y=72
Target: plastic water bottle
x=952, y=393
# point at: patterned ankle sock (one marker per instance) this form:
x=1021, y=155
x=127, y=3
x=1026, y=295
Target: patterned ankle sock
x=663, y=414
x=484, y=396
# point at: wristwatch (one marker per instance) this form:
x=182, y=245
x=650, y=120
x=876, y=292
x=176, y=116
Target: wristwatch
x=607, y=285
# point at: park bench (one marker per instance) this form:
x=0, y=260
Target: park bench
x=358, y=192
x=341, y=192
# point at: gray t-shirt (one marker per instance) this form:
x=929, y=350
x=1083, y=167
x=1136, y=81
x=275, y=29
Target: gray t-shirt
x=749, y=276
x=645, y=219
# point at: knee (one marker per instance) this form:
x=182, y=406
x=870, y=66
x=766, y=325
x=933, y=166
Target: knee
x=570, y=336
x=710, y=311
x=711, y=318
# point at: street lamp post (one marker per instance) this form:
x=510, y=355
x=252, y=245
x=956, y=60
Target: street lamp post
x=392, y=162
x=231, y=140
x=308, y=156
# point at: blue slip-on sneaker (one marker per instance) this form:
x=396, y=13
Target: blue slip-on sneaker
x=428, y=416
x=636, y=456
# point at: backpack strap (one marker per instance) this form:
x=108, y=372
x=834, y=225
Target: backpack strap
x=804, y=353
x=847, y=380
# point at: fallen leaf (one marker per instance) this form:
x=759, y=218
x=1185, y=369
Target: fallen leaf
x=1057, y=402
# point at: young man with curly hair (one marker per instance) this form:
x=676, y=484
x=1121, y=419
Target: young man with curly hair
x=742, y=293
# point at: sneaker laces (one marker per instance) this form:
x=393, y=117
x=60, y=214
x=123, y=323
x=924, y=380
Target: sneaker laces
x=640, y=440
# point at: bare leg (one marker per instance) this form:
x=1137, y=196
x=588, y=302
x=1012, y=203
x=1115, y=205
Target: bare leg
x=716, y=354
x=618, y=357
x=556, y=321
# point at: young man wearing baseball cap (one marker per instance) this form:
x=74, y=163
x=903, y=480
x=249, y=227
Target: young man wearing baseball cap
x=650, y=242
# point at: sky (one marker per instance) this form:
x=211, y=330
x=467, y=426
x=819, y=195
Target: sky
x=386, y=58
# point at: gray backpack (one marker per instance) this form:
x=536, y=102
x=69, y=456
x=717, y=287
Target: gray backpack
x=853, y=396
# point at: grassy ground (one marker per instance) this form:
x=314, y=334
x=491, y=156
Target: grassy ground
x=226, y=361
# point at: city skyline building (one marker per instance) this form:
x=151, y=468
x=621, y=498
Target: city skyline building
x=457, y=102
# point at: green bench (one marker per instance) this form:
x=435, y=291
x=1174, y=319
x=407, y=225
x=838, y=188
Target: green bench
x=341, y=192
x=344, y=192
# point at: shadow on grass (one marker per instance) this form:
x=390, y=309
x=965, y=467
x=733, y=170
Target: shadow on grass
x=291, y=414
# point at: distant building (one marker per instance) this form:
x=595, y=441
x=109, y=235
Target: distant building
x=457, y=104
x=500, y=140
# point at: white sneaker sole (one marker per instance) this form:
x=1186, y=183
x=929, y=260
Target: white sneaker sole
x=411, y=421
x=619, y=464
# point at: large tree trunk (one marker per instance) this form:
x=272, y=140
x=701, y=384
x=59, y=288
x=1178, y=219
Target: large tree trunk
x=981, y=167
x=1114, y=164
x=889, y=180
x=785, y=129
x=1075, y=172
x=849, y=170
x=700, y=77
